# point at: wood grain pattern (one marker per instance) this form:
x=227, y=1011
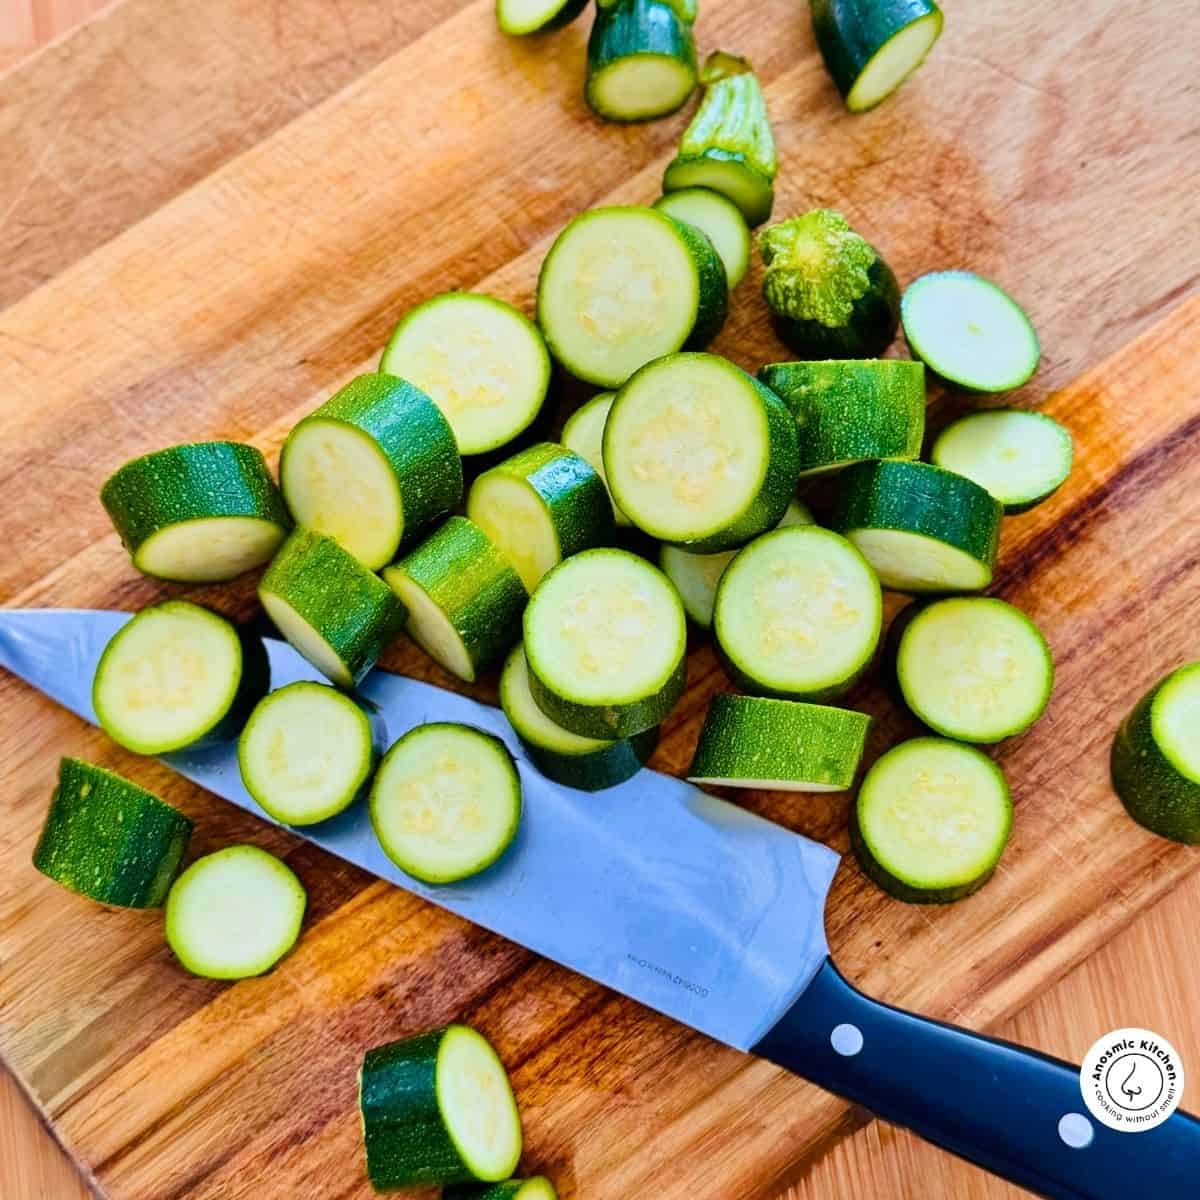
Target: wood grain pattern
x=240, y=303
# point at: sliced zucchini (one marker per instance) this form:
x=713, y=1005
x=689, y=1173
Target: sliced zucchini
x=931, y=821
x=829, y=290
x=969, y=331
x=307, y=752
x=851, y=410
x=605, y=638
x=699, y=454
x=1156, y=757
x=463, y=597
x=728, y=147
x=521, y=17
x=481, y=361
x=974, y=668
x=624, y=285
x=110, y=840
x=719, y=219
x=198, y=513
x=373, y=468
x=540, y=506
x=584, y=433
x=538, y=1187
x=696, y=576
x=798, y=614
x=437, y=1109
x=235, y=913
x=756, y=742
x=1021, y=457
x=177, y=675
x=922, y=529
x=641, y=60
x=446, y=802
x=589, y=764
x=871, y=47
x=332, y=610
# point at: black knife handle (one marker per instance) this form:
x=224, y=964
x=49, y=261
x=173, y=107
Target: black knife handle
x=988, y=1101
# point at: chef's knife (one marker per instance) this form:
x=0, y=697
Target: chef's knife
x=708, y=914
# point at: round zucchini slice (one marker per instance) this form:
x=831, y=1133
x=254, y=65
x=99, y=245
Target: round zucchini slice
x=373, y=468
x=969, y=331
x=922, y=529
x=719, y=219
x=446, y=802
x=481, y=361
x=931, y=821
x=307, y=752
x=624, y=285
x=541, y=506
x=199, y=513
x=798, y=614
x=329, y=607
x=605, y=638
x=974, y=668
x=699, y=454
x=437, y=1109
x=235, y=913
x=463, y=597
x=177, y=675
x=757, y=742
x=1021, y=457
x=519, y=18
x=538, y=1187
x=584, y=433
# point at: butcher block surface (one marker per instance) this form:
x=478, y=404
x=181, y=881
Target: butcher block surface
x=213, y=216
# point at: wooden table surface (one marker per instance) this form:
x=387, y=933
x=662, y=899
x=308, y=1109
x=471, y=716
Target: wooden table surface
x=1131, y=981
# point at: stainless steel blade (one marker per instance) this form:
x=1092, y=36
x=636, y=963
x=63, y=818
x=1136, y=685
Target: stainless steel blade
x=683, y=901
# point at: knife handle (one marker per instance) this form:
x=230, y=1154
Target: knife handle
x=996, y=1104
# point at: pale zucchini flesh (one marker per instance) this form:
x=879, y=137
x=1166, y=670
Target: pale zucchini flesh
x=209, y=549
x=519, y=18
x=716, y=216
x=641, y=86
x=584, y=433
x=914, y=562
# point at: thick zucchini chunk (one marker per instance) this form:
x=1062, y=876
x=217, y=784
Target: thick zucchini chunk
x=756, y=742
x=605, y=638
x=199, y=513
x=521, y=17
x=373, y=468
x=178, y=675
x=798, y=614
x=235, y=913
x=729, y=147
x=446, y=802
x=969, y=331
x=110, y=840
x=871, y=47
x=584, y=433
x=696, y=576
x=974, y=668
x=541, y=506
x=1021, y=457
x=332, y=610
x=538, y=1187
x=719, y=219
x=481, y=361
x=931, y=821
x=1156, y=757
x=464, y=598
x=851, y=410
x=589, y=764
x=922, y=529
x=641, y=60
x=307, y=752
x=831, y=294
x=624, y=285
x=699, y=454
x=437, y=1109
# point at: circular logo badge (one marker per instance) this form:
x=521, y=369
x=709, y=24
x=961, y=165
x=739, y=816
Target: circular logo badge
x=1131, y=1079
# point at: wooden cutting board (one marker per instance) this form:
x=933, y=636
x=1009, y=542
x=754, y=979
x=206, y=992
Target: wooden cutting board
x=213, y=217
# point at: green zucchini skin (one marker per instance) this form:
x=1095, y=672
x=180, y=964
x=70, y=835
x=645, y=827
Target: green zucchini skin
x=719, y=219
x=1155, y=793
x=196, y=481
x=714, y=285
x=567, y=12
x=351, y=608
x=472, y=584
x=110, y=840
x=536, y=1187
x=850, y=410
x=415, y=438
x=596, y=772
x=869, y=330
